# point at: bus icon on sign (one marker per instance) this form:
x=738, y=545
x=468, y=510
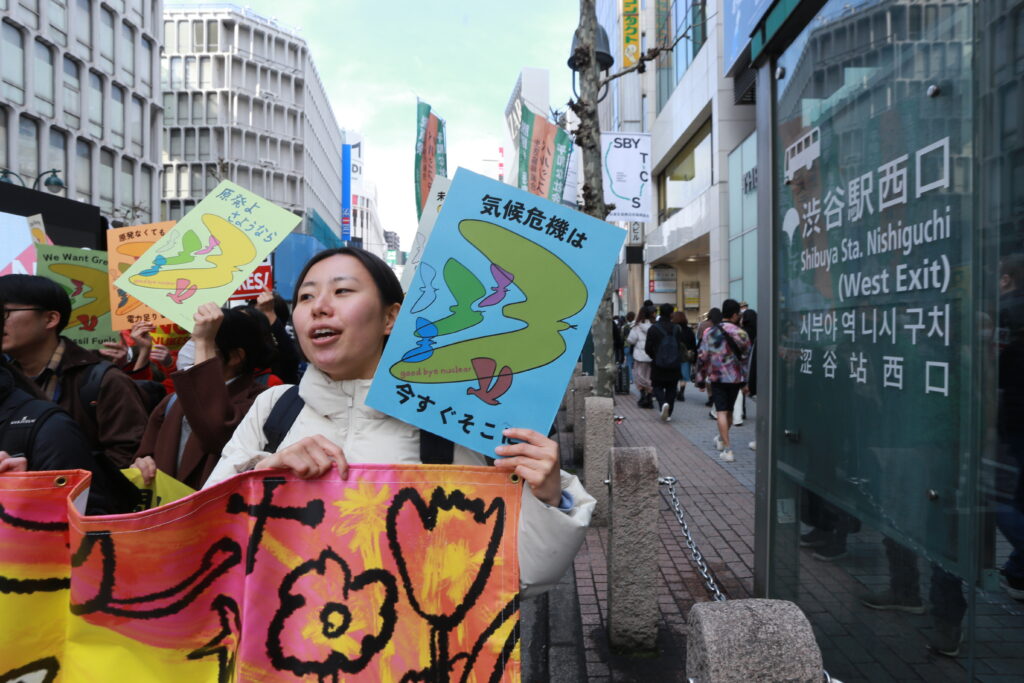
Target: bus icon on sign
x=802, y=153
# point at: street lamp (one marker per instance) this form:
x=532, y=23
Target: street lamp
x=602, y=52
x=53, y=183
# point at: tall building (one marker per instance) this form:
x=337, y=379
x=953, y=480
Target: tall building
x=244, y=102
x=79, y=94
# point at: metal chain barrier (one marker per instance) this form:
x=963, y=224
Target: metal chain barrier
x=698, y=557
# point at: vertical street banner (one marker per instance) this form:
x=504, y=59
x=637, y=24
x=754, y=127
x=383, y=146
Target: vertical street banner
x=431, y=210
x=496, y=315
x=82, y=273
x=626, y=159
x=544, y=153
x=630, y=33
x=431, y=157
x=208, y=254
x=398, y=572
x=17, y=249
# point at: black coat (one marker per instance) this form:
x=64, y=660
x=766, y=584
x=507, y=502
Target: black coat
x=657, y=332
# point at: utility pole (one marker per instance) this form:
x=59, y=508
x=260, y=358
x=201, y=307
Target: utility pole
x=588, y=137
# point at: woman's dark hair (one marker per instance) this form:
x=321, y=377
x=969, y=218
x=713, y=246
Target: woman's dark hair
x=715, y=315
x=247, y=328
x=281, y=309
x=35, y=290
x=385, y=279
x=748, y=321
x=665, y=310
x=730, y=307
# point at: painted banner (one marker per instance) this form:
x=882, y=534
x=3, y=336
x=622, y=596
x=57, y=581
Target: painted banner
x=431, y=157
x=406, y=572
x=496, y=316
x=82, y=273
x=626, y=158
x=124, y=247
x=630, y=33
x=435, y=200
x=544, y=153
x=209, y=253
x=17, y=249
x=262, y=278
x=38, y=229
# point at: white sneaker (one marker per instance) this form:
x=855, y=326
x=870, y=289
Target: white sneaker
x=753, y=445
x=727, y=455
x=738, y=424
x=664, y=412
x=719, y=444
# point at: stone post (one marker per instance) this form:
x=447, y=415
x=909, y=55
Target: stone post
x=751, y=640
x=584, y=385
x=633, y=574
x=599, y=438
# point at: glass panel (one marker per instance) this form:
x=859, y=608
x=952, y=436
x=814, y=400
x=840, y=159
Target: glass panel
x=43, y=79
x=197, y=36
x=106, y=40
x=184, y=40
x=126, y=186
x=211, y=36
x=877, y=512
x=117, y=115
x=145, y=213
x=82, y=26
x=95, y=105
x=28, y=149
x=136, y=125
x=127, y=56
x=58, y=13
x=57, y=156
x=72, y=92
x=750, y=183
x=4, y=163
x=12, y=64
x=736, y=192
x=83, y=171
x=735, y=259
x=750, y=267
x=146, y=73
x=106, y=181
x=170, y=37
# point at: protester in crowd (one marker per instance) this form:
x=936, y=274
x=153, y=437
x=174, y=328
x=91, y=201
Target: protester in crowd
x=346, y=303
x=748, y=321
x=689, y=352
x=664, y=346
x=721, y=363
x=641, y=361
x=36, y=435
x=707, y=320
x=187, y=431
x=37, y=311
x=627, y=348
x=286, y=363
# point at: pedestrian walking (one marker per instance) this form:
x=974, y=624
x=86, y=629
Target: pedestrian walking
x=664, y=346
x=689, y=352
x=641, y=361
x=722, y=366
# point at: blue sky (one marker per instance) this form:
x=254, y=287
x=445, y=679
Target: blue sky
x=461, y=56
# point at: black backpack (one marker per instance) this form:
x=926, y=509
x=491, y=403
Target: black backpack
x=434, y=450
x=668, y=355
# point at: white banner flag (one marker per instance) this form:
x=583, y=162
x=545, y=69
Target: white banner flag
x=626, y=158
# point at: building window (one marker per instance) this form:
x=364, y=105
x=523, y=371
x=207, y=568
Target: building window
x=197, y=108
x=83, y=172
x=28, y=148
x=204, y=145
x=95, y=105
x=135, y=11
x=127, y=58
x=127, y=185
x=43, y=79
x=82, y=25
x=687, y=175
x=211, y=36
x=72, y=93
x=686, y=18
x=106, y=40
x=146, y=193
x=106, y=181
x=57, y=155
x=59, y=21
x=184, y=40
x=191, y=73
x=29, y=12
x=190, y=145
x=197, y=36
x=175, y=145
x=12, y=64
x=211, y=107
x=146, y=75
x=196, y=180
x=182, y=107
x=137, y=108
x=170, y=37
x=205, y=72
x=169, y=110
x=117, y=116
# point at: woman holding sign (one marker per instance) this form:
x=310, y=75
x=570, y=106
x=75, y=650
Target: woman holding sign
x=346, y=302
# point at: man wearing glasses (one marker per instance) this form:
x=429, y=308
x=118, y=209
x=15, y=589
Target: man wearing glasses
x=36, y=310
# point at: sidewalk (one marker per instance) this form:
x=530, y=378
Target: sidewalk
x=718, y=499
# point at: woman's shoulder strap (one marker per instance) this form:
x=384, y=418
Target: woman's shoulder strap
x=282, y=417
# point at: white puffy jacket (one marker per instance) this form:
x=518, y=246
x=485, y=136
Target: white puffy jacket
x=637, y=339
x=548, y=537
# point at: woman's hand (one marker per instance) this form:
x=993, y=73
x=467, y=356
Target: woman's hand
x=207, y=318
x=535, y=459
x=11, y=464
x=265, y=304
x=308, y=458
x=160, y=354
x=147, y=466
x=115, y=351
x=140, y=334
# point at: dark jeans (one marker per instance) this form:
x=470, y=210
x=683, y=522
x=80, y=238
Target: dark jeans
x=665, y=393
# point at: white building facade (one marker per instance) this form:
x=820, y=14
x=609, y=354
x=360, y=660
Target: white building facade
x=244, y=102
x=79, y=93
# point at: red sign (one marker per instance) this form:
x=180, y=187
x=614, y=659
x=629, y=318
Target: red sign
x=261, y=278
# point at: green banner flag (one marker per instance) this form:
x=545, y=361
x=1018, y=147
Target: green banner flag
x=431, y=157
x=544, y=153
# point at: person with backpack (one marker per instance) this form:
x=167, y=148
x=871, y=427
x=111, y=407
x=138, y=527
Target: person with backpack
x=346, y=302
x=103, y=400
x=187, y=430
x=722, y=365
x=664, y=345
x=35, y=434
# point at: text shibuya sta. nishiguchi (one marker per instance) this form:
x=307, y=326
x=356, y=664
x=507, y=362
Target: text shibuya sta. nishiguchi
x=880, y=240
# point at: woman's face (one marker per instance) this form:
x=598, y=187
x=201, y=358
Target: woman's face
x=340, y=320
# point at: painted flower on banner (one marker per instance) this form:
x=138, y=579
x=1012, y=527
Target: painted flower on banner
x=330, y=621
